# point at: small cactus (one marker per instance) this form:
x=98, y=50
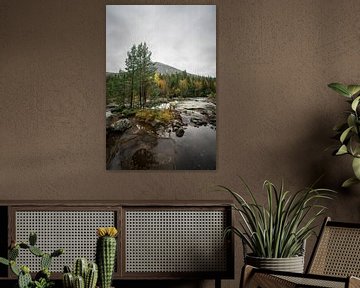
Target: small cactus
x=57, y=252
x=68, y=280
x=13, y=253
x=32, y=238
x=80, y=268
x=24, y=278
x=67, y=269
x=45, y=261
x=91, y=276
x=24, y=246
x=106, y=254
x=36, y=251
x=79, y=282
x=84, y=274
x=14, y=268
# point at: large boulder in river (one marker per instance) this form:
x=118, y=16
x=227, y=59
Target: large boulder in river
x=180, y=132
x=121, y=125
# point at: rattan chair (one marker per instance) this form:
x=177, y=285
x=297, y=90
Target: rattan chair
x=334, y=263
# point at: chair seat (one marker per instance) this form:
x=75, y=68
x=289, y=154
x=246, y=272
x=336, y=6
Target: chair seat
x=315, y=282
x=335, y=262
x=267, y=279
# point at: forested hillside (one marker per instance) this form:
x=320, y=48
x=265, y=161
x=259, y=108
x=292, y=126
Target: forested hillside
x=144, y=82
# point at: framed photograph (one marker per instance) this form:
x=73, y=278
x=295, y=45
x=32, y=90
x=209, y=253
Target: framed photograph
x=161, y=87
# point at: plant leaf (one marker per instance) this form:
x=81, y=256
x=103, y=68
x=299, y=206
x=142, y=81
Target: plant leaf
x=340, y=88
x=342, y=150
x=351, y=120
x=349, y=182
x=355, y=103
x=356, y=167
x=345, y=134
x=353, y=89
x=4, y=261
x=354, y=145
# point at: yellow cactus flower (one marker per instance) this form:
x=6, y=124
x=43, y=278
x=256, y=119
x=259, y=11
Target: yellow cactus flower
x=112, y=231
x=106, y=231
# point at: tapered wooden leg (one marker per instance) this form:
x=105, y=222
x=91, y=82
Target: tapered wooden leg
x=246, y=274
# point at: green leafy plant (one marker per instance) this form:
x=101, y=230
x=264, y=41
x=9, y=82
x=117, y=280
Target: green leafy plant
x=348, y=132
x=279, y=229
x=42, y=278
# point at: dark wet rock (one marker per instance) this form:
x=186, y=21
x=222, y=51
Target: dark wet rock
x=180, y=132
x=143, y=159
x=212, y=120
x=198, y=121
x=177, y=123
x=109, y=121
x=156, y=123
x=121, y=125
x=194, y=120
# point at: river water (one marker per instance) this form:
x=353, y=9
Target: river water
x=143, y=147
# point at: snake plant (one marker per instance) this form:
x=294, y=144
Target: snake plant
x=348, y=132
x=279, y=228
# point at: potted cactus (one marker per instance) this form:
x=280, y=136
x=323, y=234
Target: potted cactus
x=106, y=254
x=84, y=275
x=42, y=278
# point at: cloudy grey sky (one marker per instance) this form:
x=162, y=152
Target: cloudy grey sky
x=182, y=36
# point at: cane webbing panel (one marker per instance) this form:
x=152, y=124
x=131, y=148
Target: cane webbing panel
x=338, y=252
x=175, y=241
x=313, y=282
x=75, y=231
x=260, y=280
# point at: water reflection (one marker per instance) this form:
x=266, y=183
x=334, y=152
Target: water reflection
x=194, y=148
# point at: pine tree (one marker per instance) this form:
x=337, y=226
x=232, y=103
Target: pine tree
x=145, y=71
x=131, y=68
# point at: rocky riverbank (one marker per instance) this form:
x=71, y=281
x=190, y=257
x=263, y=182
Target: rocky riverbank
x=162, y=137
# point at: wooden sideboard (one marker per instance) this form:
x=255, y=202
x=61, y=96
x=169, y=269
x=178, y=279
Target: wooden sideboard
x=157, y=240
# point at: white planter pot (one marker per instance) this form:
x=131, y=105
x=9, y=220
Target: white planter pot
x=291, y=264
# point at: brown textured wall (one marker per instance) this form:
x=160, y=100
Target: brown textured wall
x=275, y=113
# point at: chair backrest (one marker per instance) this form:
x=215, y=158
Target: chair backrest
x=337, y=251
